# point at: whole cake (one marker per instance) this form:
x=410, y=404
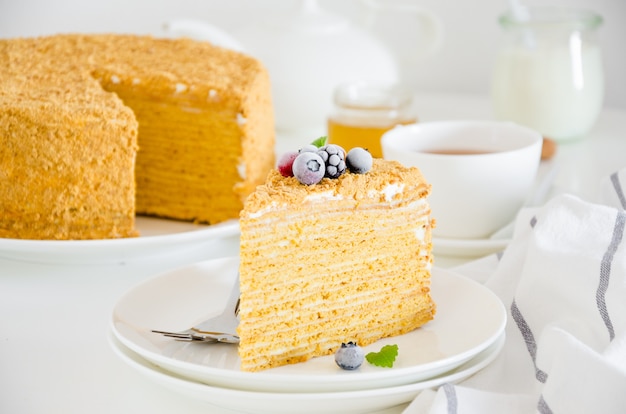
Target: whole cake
x=343, y=259
x=98, y=128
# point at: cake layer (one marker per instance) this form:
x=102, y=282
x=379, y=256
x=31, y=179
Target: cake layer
x=344, y=260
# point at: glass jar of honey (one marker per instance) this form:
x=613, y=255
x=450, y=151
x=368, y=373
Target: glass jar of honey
x=364, y=111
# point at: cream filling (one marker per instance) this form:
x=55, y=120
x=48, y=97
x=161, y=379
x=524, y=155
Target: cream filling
x=273, y=206
x=322, y=197
x=241, y=170
x=389, y=192
x=420, y=204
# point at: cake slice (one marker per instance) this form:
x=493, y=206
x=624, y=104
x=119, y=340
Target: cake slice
x=346, y=259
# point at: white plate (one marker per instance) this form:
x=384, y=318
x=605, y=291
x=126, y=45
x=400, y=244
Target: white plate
x=362, y=401
x=158, y=237
x=469, y=319
x=469, y=248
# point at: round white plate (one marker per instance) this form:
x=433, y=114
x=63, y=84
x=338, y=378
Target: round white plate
x=469, y=318
x=469, y=248
x=157, y=237
x=360, y=401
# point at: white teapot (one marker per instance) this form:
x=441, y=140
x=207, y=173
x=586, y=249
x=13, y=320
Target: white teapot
x=311, y=51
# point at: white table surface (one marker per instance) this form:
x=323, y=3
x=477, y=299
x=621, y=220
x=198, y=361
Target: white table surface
x=54, y=319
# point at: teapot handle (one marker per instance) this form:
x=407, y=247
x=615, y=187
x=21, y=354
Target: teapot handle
x=424, y=30
x=202, y=31
x=433, y=29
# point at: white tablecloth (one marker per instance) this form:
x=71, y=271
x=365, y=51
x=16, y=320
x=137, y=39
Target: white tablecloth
x=54, y=318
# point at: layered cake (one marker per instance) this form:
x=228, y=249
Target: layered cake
x=343, y=259
x=98, y=128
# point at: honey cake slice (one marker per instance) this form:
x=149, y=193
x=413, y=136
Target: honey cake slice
x=347, y=259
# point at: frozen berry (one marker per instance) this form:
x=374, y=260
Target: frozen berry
x=308, y=168
x=350, y=356
x=334, y=157
x=359, y=160
x=309, y=148
x=285, y=163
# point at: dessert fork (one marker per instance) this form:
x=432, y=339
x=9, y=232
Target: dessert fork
x=219, y=328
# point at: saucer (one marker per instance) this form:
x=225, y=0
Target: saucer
x=285, y=402
x=468, y=248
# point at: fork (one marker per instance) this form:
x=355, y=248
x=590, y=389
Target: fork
x=220, y=328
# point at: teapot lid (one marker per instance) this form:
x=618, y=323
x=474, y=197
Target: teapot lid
x=310, y=17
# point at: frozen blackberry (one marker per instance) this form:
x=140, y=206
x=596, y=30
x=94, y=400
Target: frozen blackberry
x=308, y=168
x=359, y=160
x=334, y=158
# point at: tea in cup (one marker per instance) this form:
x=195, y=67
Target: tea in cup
x=481, y=172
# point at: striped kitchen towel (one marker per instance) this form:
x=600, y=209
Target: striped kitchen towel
x=563, y=281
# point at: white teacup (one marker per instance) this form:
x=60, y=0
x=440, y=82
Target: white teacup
x=481, y=171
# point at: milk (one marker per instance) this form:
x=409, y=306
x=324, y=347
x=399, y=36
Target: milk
x=554, y=89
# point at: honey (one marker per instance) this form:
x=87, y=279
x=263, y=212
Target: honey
x=364, y=111
x=368, y=137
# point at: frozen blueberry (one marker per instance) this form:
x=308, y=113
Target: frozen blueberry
x=308, y=148
x=308, y=168
x=350, y=356
x=359, y=160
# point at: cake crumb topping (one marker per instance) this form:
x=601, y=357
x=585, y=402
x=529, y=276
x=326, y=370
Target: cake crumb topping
x=388, y=181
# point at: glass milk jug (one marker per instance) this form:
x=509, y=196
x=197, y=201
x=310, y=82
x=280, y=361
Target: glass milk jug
x=548, y=74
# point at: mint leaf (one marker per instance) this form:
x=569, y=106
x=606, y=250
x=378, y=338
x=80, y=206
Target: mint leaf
x=384, y=358
x=320, y=142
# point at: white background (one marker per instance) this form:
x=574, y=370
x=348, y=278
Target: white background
x=54, y=355
x=463, y=65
